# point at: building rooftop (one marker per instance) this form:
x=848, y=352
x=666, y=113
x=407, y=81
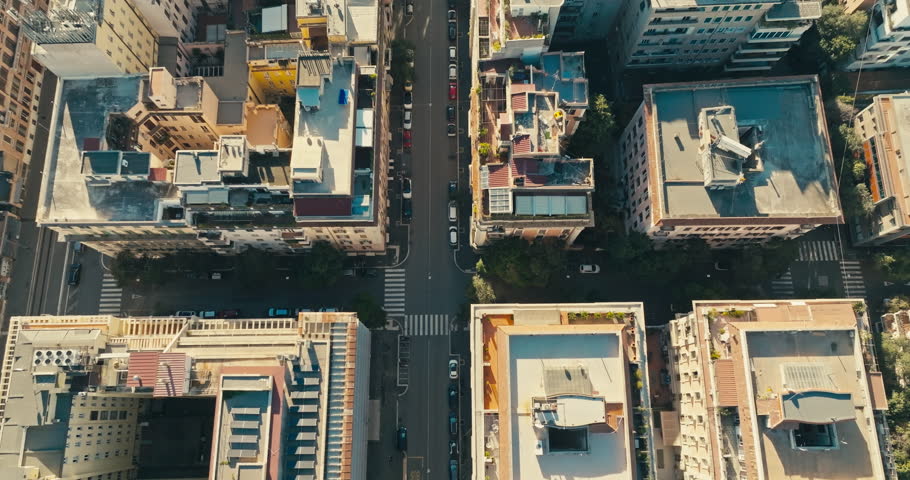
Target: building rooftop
x=362, y=21
x=563, y=73
x=788, y=169
x=551, y=389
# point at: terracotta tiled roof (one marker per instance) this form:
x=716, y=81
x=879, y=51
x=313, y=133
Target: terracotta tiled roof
x=318, y=207
x=166, y=372
x=522, y=87
x=519, y=102
x=91, y=144
x=727, y=392
x=157, y=174
x=499, y=176
x=521, y=144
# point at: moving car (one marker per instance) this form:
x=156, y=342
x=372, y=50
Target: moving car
x=229, y=314
x=450, y=113
x=406, y=187
x=453, y=32
x=279, y=312
x=453, y=423
x=453, y=395
x=216, y=276
x=453, y=71
x=589, y=268
x=453, y=237
x=453, y=211
x=453, y=469
x=453, y=91
x=451, y=15
x=299, y=310
x=402, y=438
x=453, y=364
x=75, y=273
x=406, y=139
x=407, y=120
x=185, y=313
x=453, y=53
x=409, y=9
x=451, y=130
x=408, y=100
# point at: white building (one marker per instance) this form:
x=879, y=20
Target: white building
x=887, y=41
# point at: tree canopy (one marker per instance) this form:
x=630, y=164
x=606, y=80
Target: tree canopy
x=523, y=264
x=597, y=125
x=839, y=32
x=369, y=311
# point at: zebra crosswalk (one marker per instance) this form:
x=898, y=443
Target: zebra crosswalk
x=393, y=296
x=782, y=287
x=852, y=275
x=111, y=295
x=426, y=325
x=819, y=251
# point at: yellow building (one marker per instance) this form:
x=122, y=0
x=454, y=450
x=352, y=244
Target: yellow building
x=313, y=23
x=83, y=43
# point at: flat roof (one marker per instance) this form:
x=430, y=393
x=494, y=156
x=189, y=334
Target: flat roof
x=332, y=124
x=363, y=21
x=83, y=111
x=798, y=173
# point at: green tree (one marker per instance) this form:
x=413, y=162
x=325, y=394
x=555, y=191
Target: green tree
x=254, y=267
x=484, y=149
x=866, y=203
x=597, y=126
x=840, y=33
x=859, y=172
x=369, y=311
x=480, y=290
x=523, y=264
x=851, y=141
x=126, y=267
x=894, y=265
x=322, y=265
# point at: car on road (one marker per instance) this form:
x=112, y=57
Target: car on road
x=453, y=32
x=451, y=4
x=348, y=272
x=452, y=16
x=185, y=313
x=229, y=314
x=453, y=71
x=409, y=9
x=453, y=395
x=406, y=139
x=77, y=247
x=453, y=448
x=216, y=276
x=408, y=86
x=453, y=237
x=453, y=364
x=450, y=113
x=453, y=211
x=75, y=273
x=406, y=121
x=408, y=100
x=451, y=130
x=279, y=312
x=453, y=53
x=402, y=438
x=406, y=187
x=453, y=469
x=453, y=186
x=453, y=423
x=589, y=268
x=328, y=309
x=208, y=314
x=406, y=209
x=453, y=91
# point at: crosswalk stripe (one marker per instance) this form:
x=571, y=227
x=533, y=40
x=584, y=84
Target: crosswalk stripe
x=426, y=325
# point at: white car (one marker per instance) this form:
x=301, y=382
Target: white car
x=453, y=211
x=589, y=268
x=453, y=369
x=453, y=53
x=407, y=120
x=453, y=237
x=453, y=71
x=406, y=188
x=408, y=100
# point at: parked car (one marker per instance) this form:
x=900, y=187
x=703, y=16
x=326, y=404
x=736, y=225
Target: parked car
x=452, y=16
x=453, y=53
x=406, y=139
x=589, y=268
x=328, y=309
x=453, y=237
x=402, y=438
x=453, y=91
x=453, y=364
x=279, y=312
x=453, y=395
x=77, y=247
x=453, y=211
x=408, y=100
x=451, y=130
x=208, y=314
x=75, y=273
x=406, y=123
x=229, y=314
x=348, y=272
x=453, y=32
x=453, y=186
x=408, y=86
x=406, y=209
x=453, y=423
x=216, y=276
x=451, y=4
x=450, y=113
x=185, y=313
x=406, y=187
x=453, y=448
x=453, y=469
x=453, y=71
x=409, y=9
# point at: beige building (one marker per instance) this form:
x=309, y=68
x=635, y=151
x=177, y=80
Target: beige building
x=523, y=184
x=750, y=36
x=769, y=389
x=885, y=45
x=725, y=162
x=559, y=391
x=249, y=398
x=884, y=129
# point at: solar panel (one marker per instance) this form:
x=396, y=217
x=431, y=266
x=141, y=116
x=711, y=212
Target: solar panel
x=500, y=200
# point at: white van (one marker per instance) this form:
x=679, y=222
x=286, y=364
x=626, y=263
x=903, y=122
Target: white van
x=453, y=212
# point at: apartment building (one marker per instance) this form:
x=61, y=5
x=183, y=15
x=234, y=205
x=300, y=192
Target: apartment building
x=560, y=391
x=771, y=389
x=522, y=183
x=749, y=36
x=21, y=78
x=245, y=403
x=887, y=42
x=730, y=162
x=884, y=129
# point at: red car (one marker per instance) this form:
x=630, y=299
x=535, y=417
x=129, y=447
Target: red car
x=407, y=138
x=229, y=314
x=453, y=91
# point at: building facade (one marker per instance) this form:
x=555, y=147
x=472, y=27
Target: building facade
x=882, y=127
x=741, y=176
x=292, y=402
x=887, y=43
x=750, y=36
x=773, y=389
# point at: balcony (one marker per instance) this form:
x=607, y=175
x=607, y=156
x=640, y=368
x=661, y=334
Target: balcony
x=673, y=21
